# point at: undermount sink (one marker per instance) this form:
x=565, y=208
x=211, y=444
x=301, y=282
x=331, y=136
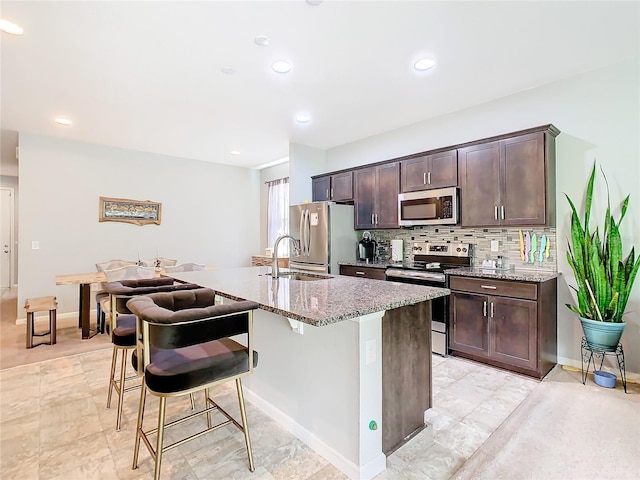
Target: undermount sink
x=304, y=277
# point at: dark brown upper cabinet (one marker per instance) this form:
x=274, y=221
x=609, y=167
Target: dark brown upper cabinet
x=337, y=187
x=430, y=171
x=508, y=182
x=376, y=196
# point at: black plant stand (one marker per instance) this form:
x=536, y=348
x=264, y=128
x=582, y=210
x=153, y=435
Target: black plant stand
x=591, y=353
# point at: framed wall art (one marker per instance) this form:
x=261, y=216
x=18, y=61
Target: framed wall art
x=140, y=212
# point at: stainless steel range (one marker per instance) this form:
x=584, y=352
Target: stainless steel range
x=430, y=260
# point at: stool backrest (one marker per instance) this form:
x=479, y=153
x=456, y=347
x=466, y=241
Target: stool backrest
x=122, y=291
x=183, y=318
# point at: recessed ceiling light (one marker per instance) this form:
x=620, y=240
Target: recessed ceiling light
x=262, y=40
x=235, y=152
x=228, y=70
x=63, y=121
x=424, y=64
x=314, y=2
x=281, y=66
x=10, y=27
x=302, y=118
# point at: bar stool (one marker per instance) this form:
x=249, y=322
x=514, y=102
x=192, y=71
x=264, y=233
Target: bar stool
x=123, y=328
x=185, y=342
x=41, y=304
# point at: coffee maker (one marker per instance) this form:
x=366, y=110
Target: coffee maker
x=367, y=248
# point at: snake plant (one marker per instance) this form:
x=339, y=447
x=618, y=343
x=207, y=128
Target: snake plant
x=604, y=280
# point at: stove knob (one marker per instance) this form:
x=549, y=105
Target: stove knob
x=458, y=249
x=464, y=249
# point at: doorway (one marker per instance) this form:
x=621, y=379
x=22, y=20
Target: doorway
x=6, y=237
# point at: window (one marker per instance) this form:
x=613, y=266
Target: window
x=278, y=214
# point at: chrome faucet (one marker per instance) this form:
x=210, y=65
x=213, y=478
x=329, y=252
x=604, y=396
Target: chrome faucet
x=275, y=269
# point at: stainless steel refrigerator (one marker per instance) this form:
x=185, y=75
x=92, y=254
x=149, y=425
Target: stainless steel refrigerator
x=327, y=236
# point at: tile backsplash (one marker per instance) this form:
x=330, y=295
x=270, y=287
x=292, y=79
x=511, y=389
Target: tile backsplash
x=481, y=238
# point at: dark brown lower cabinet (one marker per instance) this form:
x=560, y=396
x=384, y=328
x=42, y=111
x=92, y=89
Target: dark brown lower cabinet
x=406, y=373
x=514, y=327
x=363, y=272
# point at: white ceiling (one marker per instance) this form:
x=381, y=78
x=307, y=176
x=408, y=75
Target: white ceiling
x=147, y=75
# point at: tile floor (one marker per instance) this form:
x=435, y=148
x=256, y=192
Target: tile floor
x=54, y=425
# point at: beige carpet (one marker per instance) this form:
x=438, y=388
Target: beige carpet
x=564, y=431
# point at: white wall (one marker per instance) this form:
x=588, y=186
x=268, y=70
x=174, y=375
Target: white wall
x=598, y=114
x=210, y=212
x=304, y=162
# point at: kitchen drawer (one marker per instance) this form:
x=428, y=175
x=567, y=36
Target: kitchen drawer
x=488, y=286
x=362, y=272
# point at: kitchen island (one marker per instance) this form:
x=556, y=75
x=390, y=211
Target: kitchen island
x=345, y=363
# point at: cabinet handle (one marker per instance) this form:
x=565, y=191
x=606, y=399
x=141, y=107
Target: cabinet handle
x=495, y=211
x=377, y=219
x=424, y=178
x=429, y=178
x=502, y=211
x=491, y=309
x=490, y=287
x=359, y=273
x=373, y=221
x=484, y=309
x=327, y=194
x=332, y=194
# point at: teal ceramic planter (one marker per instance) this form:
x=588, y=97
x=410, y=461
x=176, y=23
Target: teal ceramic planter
x=602, y=335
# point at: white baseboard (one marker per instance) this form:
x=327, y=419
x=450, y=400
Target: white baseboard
x=44, y=317
x=350, y=469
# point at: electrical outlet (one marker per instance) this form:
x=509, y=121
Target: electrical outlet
x=495, y=245
x=370, y=351
x=35, y=245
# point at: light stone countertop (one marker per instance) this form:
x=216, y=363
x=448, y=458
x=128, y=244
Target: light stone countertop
x=318, y=303
x=518, y=274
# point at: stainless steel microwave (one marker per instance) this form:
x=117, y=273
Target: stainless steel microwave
x=428, y=207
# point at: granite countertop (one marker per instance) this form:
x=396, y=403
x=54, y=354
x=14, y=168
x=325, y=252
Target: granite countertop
x=517, y=274
x=318, y=303
x=362, y=263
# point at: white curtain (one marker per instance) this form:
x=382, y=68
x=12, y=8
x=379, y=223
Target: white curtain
x=278, y=214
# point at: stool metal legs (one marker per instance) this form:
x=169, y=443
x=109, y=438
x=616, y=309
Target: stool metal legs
x=245, y=429
x=157, y=451
x=32, y=333
x=119, y=384
x=591, y=354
